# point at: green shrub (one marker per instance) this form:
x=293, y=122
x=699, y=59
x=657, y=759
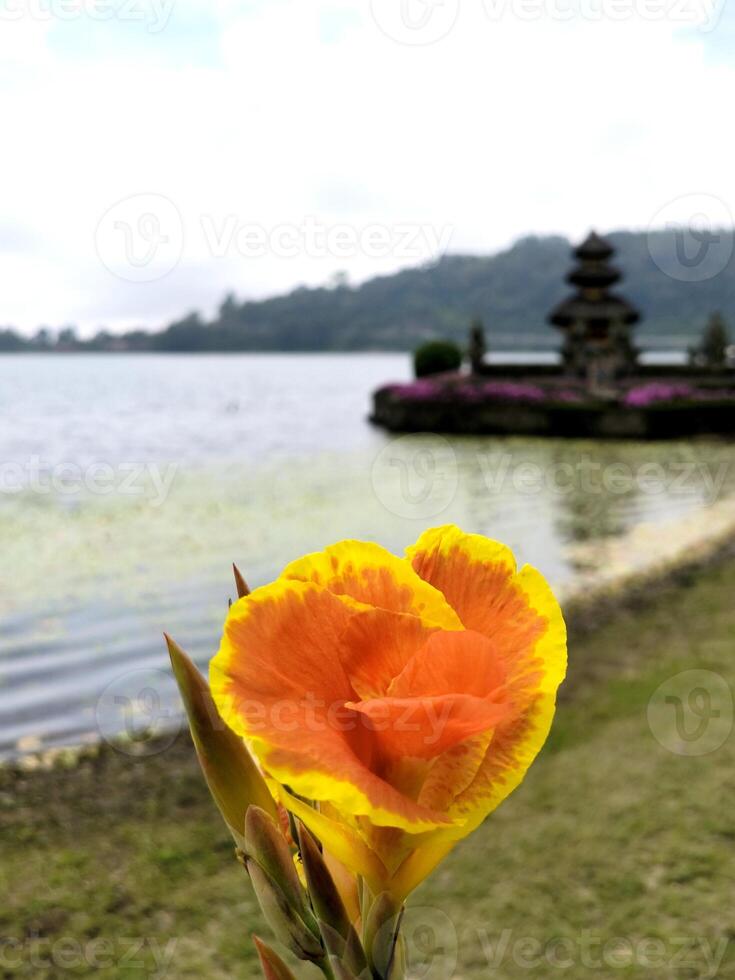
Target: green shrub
x=435, y=357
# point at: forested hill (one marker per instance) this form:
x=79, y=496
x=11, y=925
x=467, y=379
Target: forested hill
x=511, y=291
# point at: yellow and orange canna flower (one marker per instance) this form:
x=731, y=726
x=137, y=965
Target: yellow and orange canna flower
x=403, y=698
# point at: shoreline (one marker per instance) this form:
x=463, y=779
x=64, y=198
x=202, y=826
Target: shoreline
x=650, y=555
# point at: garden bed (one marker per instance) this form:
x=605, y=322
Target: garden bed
x=662, y=409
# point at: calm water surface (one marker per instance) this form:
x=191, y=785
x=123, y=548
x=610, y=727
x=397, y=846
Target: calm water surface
x=128, y=485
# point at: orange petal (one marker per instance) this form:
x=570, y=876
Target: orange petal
x=453, y=771
x=424, y=727
x=450, y=690
x=513, y=748
x=518, y=613
x=372, y=575
x=461, y=662
x=377, y=645
x=516, y=610
x=278, y=653
x=324, y=769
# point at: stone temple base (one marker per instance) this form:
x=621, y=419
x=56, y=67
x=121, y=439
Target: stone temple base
x=538, y=406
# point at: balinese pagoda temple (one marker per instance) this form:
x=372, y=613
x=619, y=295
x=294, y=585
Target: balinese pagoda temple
x=596, y=323
x=598, y=391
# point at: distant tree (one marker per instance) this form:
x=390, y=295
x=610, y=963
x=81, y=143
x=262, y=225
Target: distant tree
x=435, y=357
x=67, y=339
x=137, y=340
x=101, y=341
x=340, y=280
x=11, y=341
x=228, y=308
x=189, y=334
x=42, y=339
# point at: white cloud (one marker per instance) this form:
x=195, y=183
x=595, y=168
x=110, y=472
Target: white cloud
x=309, y=112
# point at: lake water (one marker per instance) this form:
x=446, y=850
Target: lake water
x=128, y=486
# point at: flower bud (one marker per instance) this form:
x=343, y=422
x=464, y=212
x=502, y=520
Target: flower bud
x=230, y=771
x=341, y=972
x=338, y=933
x=273, y=966
x=348, y=953
x=328, y=906
x=243, y=589
x=287, y=925
x=382, y=925
x=265, y=844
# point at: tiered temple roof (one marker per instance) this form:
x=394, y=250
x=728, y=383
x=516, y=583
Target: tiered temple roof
x=592, y=306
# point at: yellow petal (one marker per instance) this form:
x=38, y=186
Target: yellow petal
x=339, y=839
x=371, y=575
x=418, y=866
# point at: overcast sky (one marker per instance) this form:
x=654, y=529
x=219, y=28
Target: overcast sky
x=157, y=155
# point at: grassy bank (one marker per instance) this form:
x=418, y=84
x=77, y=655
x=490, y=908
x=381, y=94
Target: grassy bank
x=615, y=858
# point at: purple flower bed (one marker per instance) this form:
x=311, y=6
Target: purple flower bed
x=512, y=391
x=418, y=390
x=443, y=388
x=428, y=389
x=644, y=395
